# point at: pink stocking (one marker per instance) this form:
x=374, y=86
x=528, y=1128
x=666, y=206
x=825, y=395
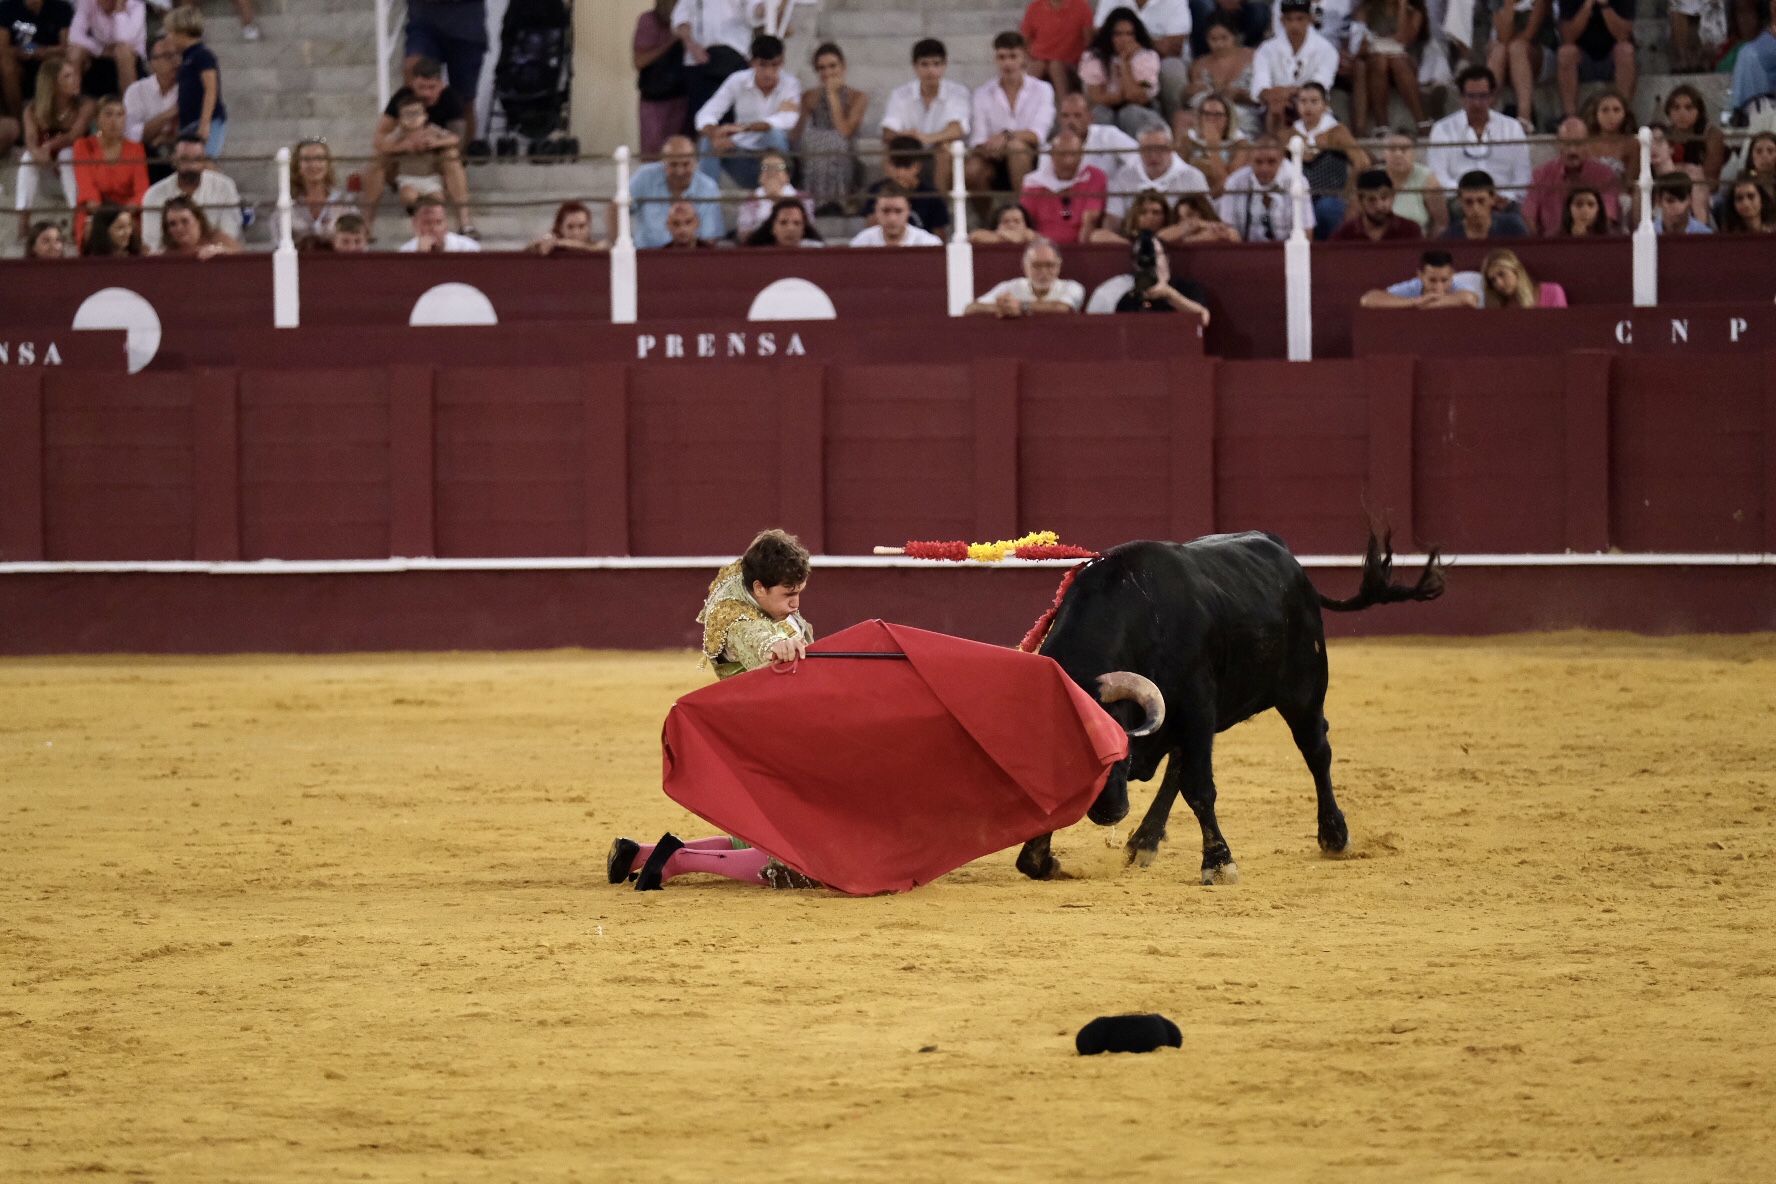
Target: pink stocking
x=745, y=865
x=718, y=843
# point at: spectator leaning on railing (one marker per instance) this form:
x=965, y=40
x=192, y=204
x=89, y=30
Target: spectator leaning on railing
x=1040, y=291
x=1437, y=285
x=570, y=233
x=184, y=230
x=1508, y=284
x=215, y=195
x=431, y=230
x=674, y=177
x=351, y=235
x=113, y=233
x=1011, y=224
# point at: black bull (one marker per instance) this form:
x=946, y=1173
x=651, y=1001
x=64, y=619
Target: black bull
x=1226, y=626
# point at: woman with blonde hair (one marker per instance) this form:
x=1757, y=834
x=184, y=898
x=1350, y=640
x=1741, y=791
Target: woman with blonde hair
x=57, y=115
x=317, y=199
x=1508, y=284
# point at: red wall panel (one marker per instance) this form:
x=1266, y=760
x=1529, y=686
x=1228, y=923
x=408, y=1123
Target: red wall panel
x=1688, y=455
x=314, y=464
x=899, y=456
x=1487, y=442
x=511, y=459
x=117, y=467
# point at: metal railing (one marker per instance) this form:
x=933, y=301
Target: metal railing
x=391, y=20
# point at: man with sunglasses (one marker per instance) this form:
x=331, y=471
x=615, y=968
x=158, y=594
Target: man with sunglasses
x=1065, y=197
x=151, y=104
x=1477, y=137
x=1256, y=200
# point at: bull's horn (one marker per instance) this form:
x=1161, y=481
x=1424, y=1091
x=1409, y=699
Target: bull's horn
x=1126, y=684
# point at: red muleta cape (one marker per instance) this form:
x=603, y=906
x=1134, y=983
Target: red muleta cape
x=878, y=775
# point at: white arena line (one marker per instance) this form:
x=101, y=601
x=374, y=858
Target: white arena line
x=310, y=567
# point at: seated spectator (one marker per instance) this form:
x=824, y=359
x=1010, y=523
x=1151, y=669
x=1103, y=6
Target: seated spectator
x=683, y=228
x=1386, y=30
x=1584, y=214
x=1224, y=72
x=1523, y=35
x=893, y=226
x=1376, y=221
x=1038, y=292
x=1697, y=147
x=570, y=233
x=1573, y=169
x=674, y=177
x=754, y=110
x=1011, y=224
x=184, y=230
x=45, y=241
x=788, y=226
x=1754, y=71
x=114, y=232
x=1508, y=284
x=1168, y=23
x=773, y=184
x=57, y=116
x=201, y=110
x=1758, y=162
x=1198, y=222
x=392, y=141
x=1675, y=215
x=107, y=43
x=1057, y=32
x=1417, y=195
x=1331, y=156
x=431, y=230
x=1107, y=147
x=351, y=235
x=930, y=107
x=1120, y=75
x=1596, y=45
x=1292, y=57
x=1477, y=132
x=317, y=200
x=1249, y=20
x=453, y=32
x=826, y=134
x=1437, y=285
x=423, y=153
x=663, y=105
x=108, y=169
x=30, y=31
x=1149, y=287
x=193, y=178
x=1481, y=216
x=1147, y=211
x=1750, y=209
x=1685, y=45
x=1256, y=200
x=1612, y=128
x=1216, y=146
x=1156, y=166
x=1011, y=118
x=151, y=104
x=1065, y=196
x=904, y=167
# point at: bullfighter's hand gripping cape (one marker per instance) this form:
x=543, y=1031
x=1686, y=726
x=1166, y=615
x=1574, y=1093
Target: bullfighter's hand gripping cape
x=877, y=775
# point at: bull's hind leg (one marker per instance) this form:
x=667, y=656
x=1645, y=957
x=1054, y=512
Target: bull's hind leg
x=1309, y=727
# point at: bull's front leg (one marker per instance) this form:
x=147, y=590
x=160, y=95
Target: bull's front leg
x=1037, y=861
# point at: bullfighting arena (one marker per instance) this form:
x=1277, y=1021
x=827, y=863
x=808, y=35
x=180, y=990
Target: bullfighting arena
x=345, y=918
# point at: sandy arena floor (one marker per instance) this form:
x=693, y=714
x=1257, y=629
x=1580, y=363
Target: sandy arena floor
x=345, y=919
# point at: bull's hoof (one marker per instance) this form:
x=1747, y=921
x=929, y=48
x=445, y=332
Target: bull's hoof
x=1046, y=868
x=1227, y=873
x=1334, y=834
x=1138, y=854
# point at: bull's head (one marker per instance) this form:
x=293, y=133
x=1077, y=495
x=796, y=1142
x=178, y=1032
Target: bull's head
x=1112, y=804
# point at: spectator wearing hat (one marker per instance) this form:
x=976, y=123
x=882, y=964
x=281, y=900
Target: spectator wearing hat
x=1574, y=168
x=1481, y=217
x=1437, y=285
x=1376, y=221
x=1288, y=61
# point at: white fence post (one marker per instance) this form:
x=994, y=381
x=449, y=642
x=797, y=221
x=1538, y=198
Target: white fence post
x=622, y=253
x=286, y=293
x=1646, y=239
x=1297, y=270
x=958, y=252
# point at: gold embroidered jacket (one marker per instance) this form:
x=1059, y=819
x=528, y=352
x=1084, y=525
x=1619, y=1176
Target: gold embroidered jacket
x=737, y=633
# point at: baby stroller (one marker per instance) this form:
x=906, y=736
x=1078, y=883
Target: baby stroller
x=532, y=79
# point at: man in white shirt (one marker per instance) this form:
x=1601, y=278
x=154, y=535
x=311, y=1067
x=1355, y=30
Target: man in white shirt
x=115, y=31
x=717, y=36
x=1291, y=58
x=1477, y=137
x=1256, y=201
x=1157, y=167
x=930, y=107
x=765, y=104
x=151, y=105
x=893, y=226
x=1039, y=291
x=1011, y=119
x=1107, y=147
x=431, y=230
x=1169, y=23
x=192, y=177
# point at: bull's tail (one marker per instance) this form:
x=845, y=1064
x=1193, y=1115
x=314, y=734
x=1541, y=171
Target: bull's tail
x=1378, y=566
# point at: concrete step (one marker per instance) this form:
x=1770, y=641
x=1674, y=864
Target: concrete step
x=359, y=81
x=251, y=106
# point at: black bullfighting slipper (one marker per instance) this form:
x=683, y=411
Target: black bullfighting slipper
x=777, y=874
x=651, y=872
x=619, y=865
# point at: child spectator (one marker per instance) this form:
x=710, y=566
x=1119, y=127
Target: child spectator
x=1697, y=147
x=1011, y=224
x=1039, y=291
x=1120, y=74
x=30, y=30
x=904, y=169
x=1750, y=209
x=1612, y=126
x=114, y=232
x=930, y=106
x=58, y=115
x=421, y=150
x=444, y=110
x=1674, y=215
x=351, y=236
x=107, y=41
x=184, y=230
x=659, y=77
x=1057, y=33
x=109, y=170
x=827, y=134
x=1585, y=214
x=317, y=200
x=45, y=242
x=1198, y=222
x=1508, y=284
x=773, y=184
x=193, y=178
x=201, y=110
x=788, y=226
x=431, y=230
x=570, y=233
